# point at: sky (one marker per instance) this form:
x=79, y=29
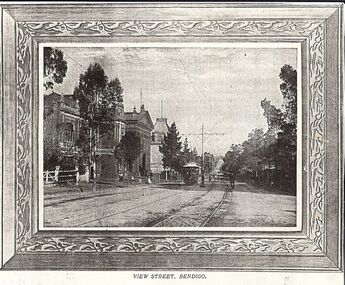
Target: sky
x=219, y=87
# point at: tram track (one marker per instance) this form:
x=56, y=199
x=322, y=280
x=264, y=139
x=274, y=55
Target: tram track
x=175, y=213
x=169, y=216
x=128, y=210
x=226, y=191
x=184, y=212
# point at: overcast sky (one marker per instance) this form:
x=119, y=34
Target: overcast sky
x=218, y=87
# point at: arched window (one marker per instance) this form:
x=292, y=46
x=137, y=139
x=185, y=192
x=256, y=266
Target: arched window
x=67, y=134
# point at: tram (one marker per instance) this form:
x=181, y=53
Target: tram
x=191, y=173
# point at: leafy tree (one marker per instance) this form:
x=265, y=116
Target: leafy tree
x=287, y=136
x=289, y=91
x=171, y=149
x=275, y=149
x=128, y=149
x=114, y=92
x=98, y=101
x=253, y=155
x=195, y=157
x=52, y=153
x=186, y=154
x=273, y=115
x=232, y=160
x=55, y=67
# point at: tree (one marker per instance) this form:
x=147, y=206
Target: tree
x=114, y=92
x=98, y=101
x=289, y=91
x=232, y=160
x=186, y=154
x=273, y=115
x=52, y=153
x=128, y=149
x=171, y=149
x=275, y=149
x=55, y=67
x=282, y=129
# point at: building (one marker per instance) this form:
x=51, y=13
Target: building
x=108, y=167
x=160, y=130
x=209, y=163
x=140, y=124
x=62, y=125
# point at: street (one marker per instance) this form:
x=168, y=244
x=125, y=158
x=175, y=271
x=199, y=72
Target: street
x=169, y=205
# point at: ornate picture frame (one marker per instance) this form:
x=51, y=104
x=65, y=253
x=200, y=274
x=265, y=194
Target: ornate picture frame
x=319, y=31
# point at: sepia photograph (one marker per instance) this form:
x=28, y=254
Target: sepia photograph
x=170, y=136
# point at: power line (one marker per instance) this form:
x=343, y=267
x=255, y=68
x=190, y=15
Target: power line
x=203, y=134
x=185, y=70
x=66, y=54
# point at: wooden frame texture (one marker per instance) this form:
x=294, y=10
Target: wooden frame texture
x=319, y=30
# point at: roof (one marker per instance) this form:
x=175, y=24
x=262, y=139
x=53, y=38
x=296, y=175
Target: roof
x=161, y=126
x=142, y=118
x=56, y=97
x=68, y=100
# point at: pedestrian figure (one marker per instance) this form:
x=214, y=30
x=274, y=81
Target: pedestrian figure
x=232, y=180
x=121, y=177
x=132, y=179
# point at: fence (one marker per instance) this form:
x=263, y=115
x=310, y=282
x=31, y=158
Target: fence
x=58, y=177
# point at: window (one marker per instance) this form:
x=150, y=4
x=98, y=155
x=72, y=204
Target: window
x=67, y=134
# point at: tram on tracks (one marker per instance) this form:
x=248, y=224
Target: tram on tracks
x=191, y=173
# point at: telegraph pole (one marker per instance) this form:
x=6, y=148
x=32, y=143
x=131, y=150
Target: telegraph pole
x=203, y=134
x=161, y=108
x=141, y=97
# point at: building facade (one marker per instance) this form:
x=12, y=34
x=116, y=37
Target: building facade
x=110, y=135
x=140, y=124
x=160, y=130
x=62, y=125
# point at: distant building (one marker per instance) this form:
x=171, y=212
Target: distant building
x=141, y=124
x=209, y=163
x=160, y=130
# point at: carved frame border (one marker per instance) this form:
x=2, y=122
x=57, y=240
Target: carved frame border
x=313, y=243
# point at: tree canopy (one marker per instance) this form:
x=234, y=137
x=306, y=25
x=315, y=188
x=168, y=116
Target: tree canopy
x=171, y=149
x=129, y=148
x=98, y=101
x=55, y=67
x=274, y=149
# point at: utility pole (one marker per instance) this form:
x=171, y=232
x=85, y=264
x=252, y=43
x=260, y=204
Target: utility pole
x=161, y=108
x=141, y=97
x=203, y=134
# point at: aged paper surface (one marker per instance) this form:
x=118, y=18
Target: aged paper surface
x=171, y=137
x=126, y=278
